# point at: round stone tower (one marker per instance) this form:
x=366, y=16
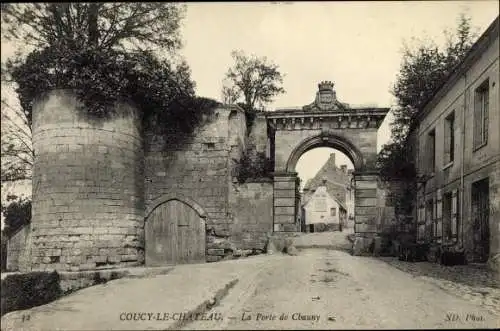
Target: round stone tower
x=88, y=208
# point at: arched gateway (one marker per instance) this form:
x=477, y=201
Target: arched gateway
x=325, y=123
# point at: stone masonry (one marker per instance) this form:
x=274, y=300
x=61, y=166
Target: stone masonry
x=327, y=123
x=94, y=179
x=88, y=205
x=204, y=168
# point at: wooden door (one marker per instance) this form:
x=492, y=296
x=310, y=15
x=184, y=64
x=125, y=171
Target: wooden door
x=480, y=220
x=175, y=234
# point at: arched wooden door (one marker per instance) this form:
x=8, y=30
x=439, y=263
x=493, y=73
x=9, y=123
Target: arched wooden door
x=175, y=234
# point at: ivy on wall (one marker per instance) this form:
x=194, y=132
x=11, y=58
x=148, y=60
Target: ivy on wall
x=251, y=168
x=164, y=93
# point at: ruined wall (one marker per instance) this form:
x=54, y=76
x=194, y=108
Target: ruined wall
x=391, y=219
x=204, y=167
x=251, y=205
x=199, y=166
x=17, y=246
x=87, y=208
x=258, y=141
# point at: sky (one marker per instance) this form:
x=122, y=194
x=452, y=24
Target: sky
x=356, y=45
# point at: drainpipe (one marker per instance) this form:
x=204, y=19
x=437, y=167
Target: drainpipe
x=462, y=218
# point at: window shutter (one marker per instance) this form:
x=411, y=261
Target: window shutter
x=421, y=214
x=447, y=141
x=454, y=213
x=434, y=217
x=452, y=138
x=439, y=216
x=427, y=157
x=421, y=222
x=486, y=102
x=477, y=119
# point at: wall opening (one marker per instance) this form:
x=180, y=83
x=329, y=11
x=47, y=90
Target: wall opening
x=326, y=190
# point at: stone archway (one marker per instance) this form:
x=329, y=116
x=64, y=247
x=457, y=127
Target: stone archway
x=325, y=123
x=325, y=139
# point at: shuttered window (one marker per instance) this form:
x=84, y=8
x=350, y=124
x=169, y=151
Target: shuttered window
x=439, y=217
x=421, y=223
x=429, y=218
x=450, y=216
x=454, y=214
x=431, y=148
x=449, y=138
x=481, y=108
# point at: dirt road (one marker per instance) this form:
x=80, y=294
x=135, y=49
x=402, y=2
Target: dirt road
x=328, y=289
x=320, y=288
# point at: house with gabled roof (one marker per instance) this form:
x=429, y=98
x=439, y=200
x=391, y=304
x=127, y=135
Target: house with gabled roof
x=323, y=211
x=337, y=181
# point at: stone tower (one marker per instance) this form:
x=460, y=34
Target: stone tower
x=88, y=209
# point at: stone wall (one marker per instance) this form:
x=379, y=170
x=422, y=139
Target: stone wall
x=389, y=215
x=197, y=166
x=365, y=141
x=258, y=141
x=17, y=246
x=251, y=210
x=203, y=166
x=88, y=205
x=251, y=205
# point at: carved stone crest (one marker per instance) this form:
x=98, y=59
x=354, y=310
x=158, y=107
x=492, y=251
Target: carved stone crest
x=326, y=98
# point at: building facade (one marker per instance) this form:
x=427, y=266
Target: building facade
x=457, y=141
x=338, y=183
x=323, y=212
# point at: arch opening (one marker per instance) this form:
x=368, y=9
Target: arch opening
x=332, y=141
x=326, y=191
x=175, y=231
x=175, y=196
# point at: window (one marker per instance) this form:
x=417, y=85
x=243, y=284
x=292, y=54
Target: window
x=449, y=138
x=333, y=211
x=481, y=105
x=421, y=226
x=480, y=217
x=450, y=215
x=429, y=218
x=439, y=217
x=431, y=147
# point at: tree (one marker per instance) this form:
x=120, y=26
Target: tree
x=98, y=49
x=17, y=213
x=423, y=70
x=16, y=146
x=252, y=78
x=134, y=25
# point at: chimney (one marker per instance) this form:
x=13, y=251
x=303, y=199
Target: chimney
x=343, y=168
x=332, y=159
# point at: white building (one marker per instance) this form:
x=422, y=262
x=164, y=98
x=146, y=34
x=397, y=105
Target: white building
x=322, y=211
